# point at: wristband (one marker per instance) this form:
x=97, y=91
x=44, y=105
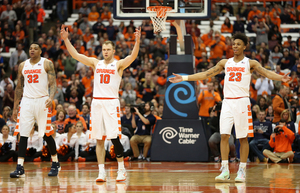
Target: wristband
x=185, y=78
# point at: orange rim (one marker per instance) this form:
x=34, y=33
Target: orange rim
x=161, y=11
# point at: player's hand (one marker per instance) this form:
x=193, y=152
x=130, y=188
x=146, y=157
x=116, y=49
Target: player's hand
x=286, y=78
x=177, y=78
x=137, y=33
x=63, y=33
x=15, y=115
x=48, y=103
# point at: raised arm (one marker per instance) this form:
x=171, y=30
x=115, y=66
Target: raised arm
x=49, y=68
x=266, y=73
x=18, y=91
x=124, y=63
x=89, y=61
x=201, y=75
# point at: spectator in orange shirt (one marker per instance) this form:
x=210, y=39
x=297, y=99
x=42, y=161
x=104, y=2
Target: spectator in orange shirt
x=252, y=13
x=276, y=9
x=86, y=81
x=275, y=19
x=200, y=47
x=227, y=27
x=266, y=12
x=93, y=15
x=207, y=99
x=19, y=34
x=74, y=118
x=217, y=48
x=88, y=35
x=281, y=140
x=207, y=38
x=229, y=50
x=129, y=36
x=106, y=15
x=40, y=17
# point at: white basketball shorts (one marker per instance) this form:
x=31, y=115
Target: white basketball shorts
x=237, y=112
x=31, y=111
x=105, y=119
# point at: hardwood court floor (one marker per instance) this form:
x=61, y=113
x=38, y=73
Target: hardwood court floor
x=151, y=177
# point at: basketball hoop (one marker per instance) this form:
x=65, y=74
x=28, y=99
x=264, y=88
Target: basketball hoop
x=158, y=15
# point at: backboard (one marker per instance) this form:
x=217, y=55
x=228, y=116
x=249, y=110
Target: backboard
x=181, y=9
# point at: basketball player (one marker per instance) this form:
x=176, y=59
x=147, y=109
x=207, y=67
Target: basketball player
x=34, y=75
x=236, y=104
x=105, y=107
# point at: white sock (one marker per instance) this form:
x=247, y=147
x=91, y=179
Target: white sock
x=101, y=168
x=243, y=165
x=54, y=158
x=21, y=161
x=121, y=165
x=225, y=164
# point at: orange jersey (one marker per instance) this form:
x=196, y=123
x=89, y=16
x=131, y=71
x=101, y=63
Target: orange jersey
x=218, y=50
x=207, y=100
x=252, y=14
x=226, y=29
x=93, y=16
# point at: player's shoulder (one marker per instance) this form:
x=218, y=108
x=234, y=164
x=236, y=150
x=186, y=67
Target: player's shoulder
x=223, y=62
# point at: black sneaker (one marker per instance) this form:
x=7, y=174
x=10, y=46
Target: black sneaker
x=18, y=173
x=133, y=159
x=55, y=168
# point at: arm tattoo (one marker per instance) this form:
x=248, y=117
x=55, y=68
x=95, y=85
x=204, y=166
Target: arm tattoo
x=213, y=71
x=261, y=70
x=19, y=88
x=51, y=79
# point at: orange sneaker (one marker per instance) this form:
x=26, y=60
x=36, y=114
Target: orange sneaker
x=81, y=159
x=126, y=159
x=10, y=159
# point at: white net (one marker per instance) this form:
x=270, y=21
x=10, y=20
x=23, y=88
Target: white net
x=158, y=17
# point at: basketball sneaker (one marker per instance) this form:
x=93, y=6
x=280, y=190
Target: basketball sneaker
x=18, y=173
x=101, y=177
x=55, y=168
x=241, y=175
x=224, y=176
x=121, y=175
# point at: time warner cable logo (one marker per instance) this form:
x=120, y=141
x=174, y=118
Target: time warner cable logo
x=186, y=135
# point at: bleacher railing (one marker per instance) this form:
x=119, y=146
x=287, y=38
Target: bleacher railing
x=254, y=1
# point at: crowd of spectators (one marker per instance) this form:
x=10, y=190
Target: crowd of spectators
x=145, y=80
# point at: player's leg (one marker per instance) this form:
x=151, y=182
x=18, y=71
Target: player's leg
x=119, y=150
x=100, y=152
x=98, y=132
x=112, y=124
x=243, y=128
x=43, y=117
x=226, y=122
x=26, y=122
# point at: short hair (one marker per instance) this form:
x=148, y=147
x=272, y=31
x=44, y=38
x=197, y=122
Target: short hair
x=87, y=104
x=67, y=127
x=36, y=44
x=6, y=126
x=109, y=42
x=282, y=121
x=242, y=37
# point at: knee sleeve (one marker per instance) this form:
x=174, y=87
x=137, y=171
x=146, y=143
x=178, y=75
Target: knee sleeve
x=118, y=147
x=22, y=146
x=51, y=144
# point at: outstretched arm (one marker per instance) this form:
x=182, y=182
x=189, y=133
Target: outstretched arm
x=266, y=73
x=129, y=59
x=49, y=68
x=89, y=61
x=18, y=91
x=201, y=75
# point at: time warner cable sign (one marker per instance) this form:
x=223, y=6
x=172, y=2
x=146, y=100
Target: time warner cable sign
x=184, y=136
